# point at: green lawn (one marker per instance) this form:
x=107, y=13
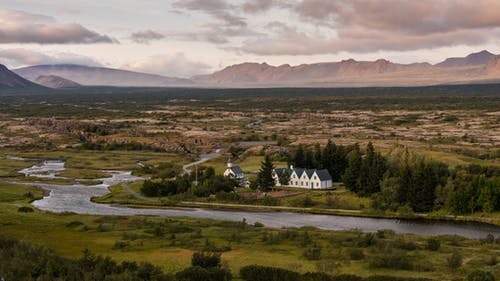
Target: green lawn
x=177, y=238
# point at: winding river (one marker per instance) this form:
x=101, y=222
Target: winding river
x=76, y=199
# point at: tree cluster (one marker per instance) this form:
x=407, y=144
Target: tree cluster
x=208, y=183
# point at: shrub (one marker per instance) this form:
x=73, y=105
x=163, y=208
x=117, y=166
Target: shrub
x=492, y=261
x=74, y=224
x=25, y=210
x=479, y=275
x=455, y=261
x=312, y=253
x=396, y=260
x=409, y=246
x=489, y=238
x=197, y=273
x=258, y=224
x=433, y=244
x=120, y=245
x=316, y=276
x=265, y=273
x=346, y=277
x=356, y=254
x=205, y=259
x=367, y=240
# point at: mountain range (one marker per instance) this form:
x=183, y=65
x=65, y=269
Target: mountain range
x=10, y=80
x=481, y=67
x=474, y=68
x=101, y=76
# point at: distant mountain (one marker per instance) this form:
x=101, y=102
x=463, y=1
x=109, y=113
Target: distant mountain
x=351, y=73
x=101, y=76
x=473, y=59
x=10, y=80
x=56, y=82
x=347, y=70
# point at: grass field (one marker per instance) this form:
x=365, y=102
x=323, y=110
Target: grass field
x=170, y=242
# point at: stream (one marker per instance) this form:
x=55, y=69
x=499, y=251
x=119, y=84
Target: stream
x=76, y=198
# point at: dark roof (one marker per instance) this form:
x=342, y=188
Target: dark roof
x=237, y=170
x=299, y=171
x=323, y=174
x=278, y=171
x=309, y=172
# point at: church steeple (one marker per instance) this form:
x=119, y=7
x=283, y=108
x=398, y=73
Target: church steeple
x=229, y=163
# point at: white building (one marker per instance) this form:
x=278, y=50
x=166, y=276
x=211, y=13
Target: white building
x=305, y=178
x=237, y=173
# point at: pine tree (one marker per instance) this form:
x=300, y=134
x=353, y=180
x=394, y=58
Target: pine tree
x=265, y=176
x=284, y=177
x=299, y=159
x=352, y=172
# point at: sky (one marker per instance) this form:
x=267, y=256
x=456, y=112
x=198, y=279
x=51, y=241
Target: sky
x=183, y=38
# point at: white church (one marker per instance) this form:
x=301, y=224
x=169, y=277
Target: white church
x=237, y=173
x=305, y=178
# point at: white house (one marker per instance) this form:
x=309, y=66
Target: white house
x=236, y=172
x=305, y=178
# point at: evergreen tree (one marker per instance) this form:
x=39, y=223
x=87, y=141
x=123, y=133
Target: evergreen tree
x=373, y=167
x=284, y=177
x=299, y=159
x=352, y=172
x=309, y=159
x=265, y=176
x=317, y=163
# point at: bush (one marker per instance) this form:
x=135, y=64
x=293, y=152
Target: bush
x=265, y=273
x=74, y=224
x=489, y=238
x=455, y=261
x=312, y=253
x=197, y=273
x=205, y=259
x=346, y=277
x=120, y=245
x=409, y=246
x=25, y=210
x=356, y=254
x=397, y=260
x=479, y=275
x=316, y=276
x=433, y=244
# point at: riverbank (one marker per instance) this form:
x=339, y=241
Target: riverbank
x=126, y=195
x=169, y=241
x=318, y=211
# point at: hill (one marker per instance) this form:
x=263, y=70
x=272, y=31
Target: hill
x=56, y=82
x=10, y=80
x=101, y=76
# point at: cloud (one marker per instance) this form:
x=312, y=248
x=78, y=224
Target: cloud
x=329, y=27
x=255, y=6
x=177, y=65
x=289, y=40
x=22, y=27
x=227, y=23
x=218, y=9
x=416, y=17
x=24, y=57
x=146, y=36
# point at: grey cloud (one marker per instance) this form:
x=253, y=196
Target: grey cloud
x=227, y=23
x=22, y=27
x=23, y=57
x=288, y=40
x=202, y=5
x=146, y=36
x=418, y=17
x=255, y=6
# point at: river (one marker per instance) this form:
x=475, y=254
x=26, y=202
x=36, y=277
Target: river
x=76, y=199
